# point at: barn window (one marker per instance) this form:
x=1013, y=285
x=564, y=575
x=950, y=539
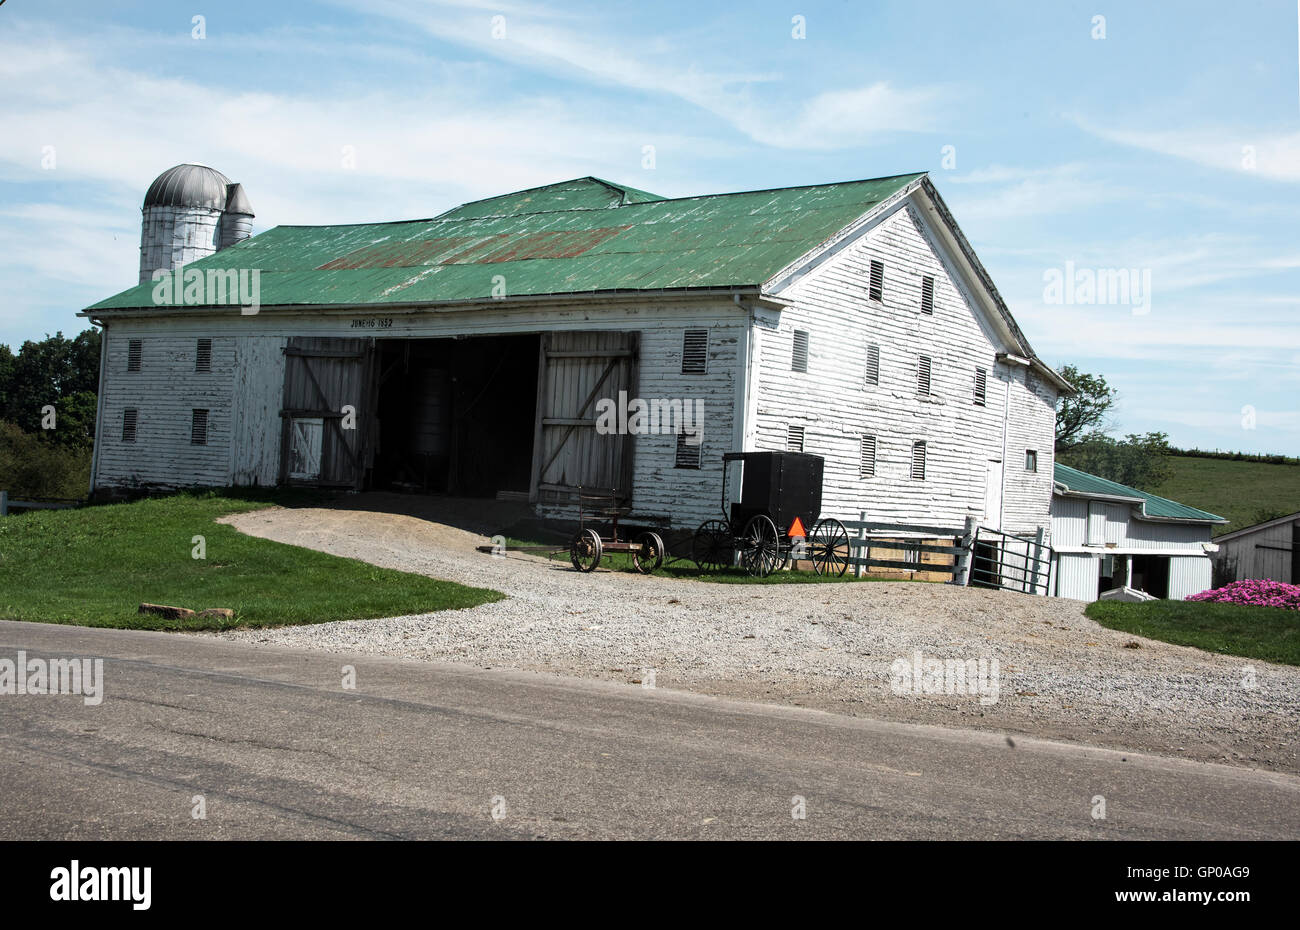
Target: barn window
x=923, y=366
x=129, y=417
x=918, y=460
x=695, y=352
x=794, y=439
x=1031, y=460
x=867, y=459
x=876, y=290
x=203, y=355
x=199, y=427
x=134, y=349
x=981, y=386
x=927, y=295
x=799, y=361
x=873, y=364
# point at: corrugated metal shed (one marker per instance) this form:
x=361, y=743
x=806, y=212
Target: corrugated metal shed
x=574, y=237
x=1080, y=482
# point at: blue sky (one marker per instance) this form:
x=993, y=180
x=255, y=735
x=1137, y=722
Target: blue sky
x=1171, y=146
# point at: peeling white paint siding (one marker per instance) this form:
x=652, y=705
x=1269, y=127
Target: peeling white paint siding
x=165, y=391
x=244, y=391
x=836, y=406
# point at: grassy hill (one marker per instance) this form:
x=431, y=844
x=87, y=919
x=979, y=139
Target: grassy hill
x=1233, y=489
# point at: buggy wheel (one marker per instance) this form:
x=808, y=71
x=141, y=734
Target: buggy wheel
x=712, y=546
x=829, y=548
x=585, y=551
x=649, y=553
x=761, y=551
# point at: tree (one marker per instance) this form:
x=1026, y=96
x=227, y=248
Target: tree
x=1084, y=414
x=59, y=372
x=1139, y=461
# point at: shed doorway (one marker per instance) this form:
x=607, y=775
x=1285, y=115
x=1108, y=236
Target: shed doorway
x=456, y=416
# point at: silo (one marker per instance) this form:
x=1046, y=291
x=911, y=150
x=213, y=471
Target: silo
x=185, y=218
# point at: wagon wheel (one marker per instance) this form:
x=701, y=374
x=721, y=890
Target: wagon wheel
x=761, y=551
x=829, y=548
x=585, y=551
x=649, y=553
x=712, y=546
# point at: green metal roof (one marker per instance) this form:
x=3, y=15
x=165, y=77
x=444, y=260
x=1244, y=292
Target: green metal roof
x=1080, y=482
x=574, y=237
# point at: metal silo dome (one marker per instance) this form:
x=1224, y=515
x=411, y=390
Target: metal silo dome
x=188, y=186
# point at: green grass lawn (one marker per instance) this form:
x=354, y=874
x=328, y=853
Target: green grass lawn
x=1236, y=490
x=1268, y=633
x=94, y=566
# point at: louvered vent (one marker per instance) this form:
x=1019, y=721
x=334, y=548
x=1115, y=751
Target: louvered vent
x=923, y=374
x=199, y=428
x=873, y=364
x=688, y=456
x=203, y=355
x=876, y=291
x=794, y=439
x=129, y=417
x=981, y=386
x=918, y=460
x=695, y=352
x=799, y=361
x=134, y=349
x=867, y=462
x=927, y=294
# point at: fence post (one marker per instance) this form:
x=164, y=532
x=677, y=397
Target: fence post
x=862, y=550
x=4, y=503
x=1038, y=555
x=966, y=560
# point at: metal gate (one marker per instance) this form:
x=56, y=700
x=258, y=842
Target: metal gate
x=1012, y=563
x=326, y=421
x=576, y=371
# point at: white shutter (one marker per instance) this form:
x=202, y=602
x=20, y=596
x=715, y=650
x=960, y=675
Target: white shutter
x=873, y=365
x=876, y=290
x=981, y=386
x=794, y=439
x=927, y=295
x=799, y=361
x=923, y=368
x=695, y=352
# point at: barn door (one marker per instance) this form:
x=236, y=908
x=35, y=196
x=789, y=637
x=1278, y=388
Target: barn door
x=324, y=380
x=577, y=370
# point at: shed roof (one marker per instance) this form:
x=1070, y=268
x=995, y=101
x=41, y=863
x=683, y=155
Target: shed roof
x=574, y=237
x=1072, y=481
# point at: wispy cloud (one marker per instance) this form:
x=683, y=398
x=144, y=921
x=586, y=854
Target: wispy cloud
x=1269, y=154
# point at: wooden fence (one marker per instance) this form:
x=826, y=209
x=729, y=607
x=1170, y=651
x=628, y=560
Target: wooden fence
x=48, y=503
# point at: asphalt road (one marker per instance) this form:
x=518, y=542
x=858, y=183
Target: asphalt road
x=278, y=748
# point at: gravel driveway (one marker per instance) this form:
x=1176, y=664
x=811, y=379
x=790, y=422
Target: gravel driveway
x=825, y=646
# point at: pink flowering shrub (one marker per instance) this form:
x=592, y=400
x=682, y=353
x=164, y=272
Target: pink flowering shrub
x=1254, y=593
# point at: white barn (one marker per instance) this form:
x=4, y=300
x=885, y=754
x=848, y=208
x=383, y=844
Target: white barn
x=1268, y=550
x=468, y=353
x=1106, y=535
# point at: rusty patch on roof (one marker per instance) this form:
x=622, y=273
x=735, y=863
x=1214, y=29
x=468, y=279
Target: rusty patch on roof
x=463, y=250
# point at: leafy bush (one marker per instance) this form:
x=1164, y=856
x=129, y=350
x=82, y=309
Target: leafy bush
x=33, y=467
x=1254, y=592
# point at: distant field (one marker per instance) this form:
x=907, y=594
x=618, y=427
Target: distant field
x=1236, y=490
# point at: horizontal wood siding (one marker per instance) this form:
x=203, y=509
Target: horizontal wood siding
x=165, y=392
x=837, y=406
x=1122, y=530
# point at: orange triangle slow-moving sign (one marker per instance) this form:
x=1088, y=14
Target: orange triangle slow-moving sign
x=796, y=529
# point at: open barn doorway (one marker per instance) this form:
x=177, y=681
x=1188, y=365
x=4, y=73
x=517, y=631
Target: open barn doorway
x=456, y=416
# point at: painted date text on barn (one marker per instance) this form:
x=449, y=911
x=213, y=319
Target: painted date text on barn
x=373, y=322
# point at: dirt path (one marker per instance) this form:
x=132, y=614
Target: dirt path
x=826, y=646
